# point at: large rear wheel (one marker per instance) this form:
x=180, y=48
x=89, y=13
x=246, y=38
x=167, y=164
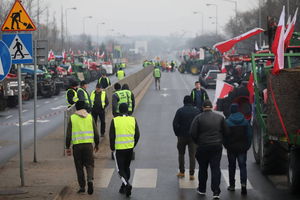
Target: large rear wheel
x=194, y=70
x=181, y=68
x=294, y=170
x=256, y=141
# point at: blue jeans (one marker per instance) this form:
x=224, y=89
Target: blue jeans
x=242, y=159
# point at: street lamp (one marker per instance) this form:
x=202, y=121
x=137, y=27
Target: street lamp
x=101, y=23
x=87, y=17
x=66, y=11
x=201, y=13
x=211, y=4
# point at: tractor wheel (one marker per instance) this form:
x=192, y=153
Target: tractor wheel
x=194, y=70
x=27, y=93
x=57, y=90
x=181, y=69
x=12, y=101
x=294, y=171
x=257, y=136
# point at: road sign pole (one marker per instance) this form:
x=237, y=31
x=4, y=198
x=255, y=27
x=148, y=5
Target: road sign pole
x=34, y=104
x=20, y=126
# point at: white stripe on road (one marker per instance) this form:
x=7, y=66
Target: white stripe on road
x=46, y=102
x=55, y=99
x=186, y=183
x=103, y=177
x=237, y=179
x=144, y=178
x=24, y=111
x=9, y=116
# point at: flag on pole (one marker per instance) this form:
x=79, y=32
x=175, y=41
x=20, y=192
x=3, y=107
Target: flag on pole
x=51, y=55
x=290, y=29
x=256, y=46
x=228, y=44
x=278, y=44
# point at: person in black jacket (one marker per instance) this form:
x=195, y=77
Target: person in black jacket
x=181, y=126
x=207, y=132
x=237, y=143
x=71, y=94
x=199, y=95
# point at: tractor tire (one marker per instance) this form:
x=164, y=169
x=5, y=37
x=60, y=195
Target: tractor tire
x=3, y=104
x=273, y=158
x=294, y=171
x=194, y=70
x=181, y=69
x=27, y=93
x=257, y=136
x=12, y=101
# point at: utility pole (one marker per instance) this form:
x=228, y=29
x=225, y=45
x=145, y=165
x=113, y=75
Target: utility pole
x=288, y=8
x=38, y=18
x=62, y=28
x=259, y=21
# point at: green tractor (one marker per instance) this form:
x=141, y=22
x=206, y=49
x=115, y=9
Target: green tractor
x=80, y=70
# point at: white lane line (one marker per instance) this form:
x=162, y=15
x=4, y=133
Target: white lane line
x=37, y=106
x=144, y=178
x=9, y=116
x=58, y=107
x=46, y=102
x=103, y=177
x=186, y=183
x=24, y=111
x=55, y=99
x=164, y=95
x=237, y=179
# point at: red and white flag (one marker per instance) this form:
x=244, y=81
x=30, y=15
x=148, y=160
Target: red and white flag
x=51, y=55
x=222, y=90
x=290, y=30
x=278, y=44
x=228, y=44
x=64, y=55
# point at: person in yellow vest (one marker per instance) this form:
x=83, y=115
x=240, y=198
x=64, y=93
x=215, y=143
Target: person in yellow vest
x=118, y=97
x=104, y=81
x=83, y=95
x=120, y=74
x=82, y=133
x=99, y=103
x=123, y=135
x=71, y=94
x=157, y=76
x=130, y=97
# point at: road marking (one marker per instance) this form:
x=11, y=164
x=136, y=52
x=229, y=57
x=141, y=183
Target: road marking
x=164, y=95
x=46, y=102
x=24, y=111
x=58, y=107
x=9, y=116
x=186, y=183
x=29, y=122
x=144, y=178
x=37, y=106
x=164, y=89
x=55, y=99
x=103, y=177
x=237, y=179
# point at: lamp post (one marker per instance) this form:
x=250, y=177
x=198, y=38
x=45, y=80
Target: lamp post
x=87, y=17
x=202, y=16
x=66, y=11
x=101, y=23
x=211, y=4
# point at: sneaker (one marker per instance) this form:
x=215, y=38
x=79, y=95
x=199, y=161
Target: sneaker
x=244, y=190
x=216, y=196
x=201, y=193
x=128, y=189
x=180, y=175
x=122, y=189
x=90, y=188
x=231, y=188
x=192, y=177
x=81, y=190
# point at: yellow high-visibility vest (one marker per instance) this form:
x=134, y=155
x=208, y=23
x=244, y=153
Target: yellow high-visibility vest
x=125, y=131
x=102, y=98
x=75, y=97
x=156, y=73
x=86, y=96
x=129, y=94
x=120, y=74
x=123, y=98
x=82, y=129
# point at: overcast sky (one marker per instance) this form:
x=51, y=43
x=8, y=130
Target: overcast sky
x=146, y=17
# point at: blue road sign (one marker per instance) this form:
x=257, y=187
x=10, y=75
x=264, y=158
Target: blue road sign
x=20, y=47
x=5, y=60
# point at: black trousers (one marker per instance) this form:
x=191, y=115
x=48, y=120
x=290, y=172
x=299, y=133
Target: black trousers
x=101, y=116
x=209, y=156
x=123, y=160
x=83, y=157
x=181, y=146
x=157, y=83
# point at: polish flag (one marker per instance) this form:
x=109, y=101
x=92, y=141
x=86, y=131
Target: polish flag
x=51, y=55
x=228, y=44
x=290, y=29
x=223, y=69
x=102, y=55
x=64, y=55
x=222, y=90
x=278, y=44
x=250, y=87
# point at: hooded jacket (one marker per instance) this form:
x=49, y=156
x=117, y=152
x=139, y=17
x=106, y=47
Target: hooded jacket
x=82, y=113
x=239, y=137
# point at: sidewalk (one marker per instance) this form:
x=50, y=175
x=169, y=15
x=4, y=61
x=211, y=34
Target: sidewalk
x=54, y=175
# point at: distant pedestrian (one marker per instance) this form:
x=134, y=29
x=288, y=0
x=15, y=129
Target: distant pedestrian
x=120, y=74
x=71, y=94
x=104, y=81
x=181, y=126
x=199, y=95
x=131, y=98
x=83, y=95
x=207, y=131
x=237, y=142
x=123, y=135
x=99, y=103
x=157, y=76
x=82, y=133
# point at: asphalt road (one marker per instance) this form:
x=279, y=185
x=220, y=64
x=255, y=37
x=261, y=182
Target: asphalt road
x=49, y=118
x=153, y=172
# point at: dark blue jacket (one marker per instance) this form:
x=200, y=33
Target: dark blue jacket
x=183, y=119
x=239, y=136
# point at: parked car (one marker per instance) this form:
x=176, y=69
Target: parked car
x=208, y=75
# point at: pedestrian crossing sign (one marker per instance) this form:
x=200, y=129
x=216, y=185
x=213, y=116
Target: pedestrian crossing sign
x=20, y=47
x=18, y=19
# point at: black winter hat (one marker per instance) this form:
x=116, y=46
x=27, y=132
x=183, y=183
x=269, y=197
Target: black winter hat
x=207, y=104
x=117, y=86
x=74, y=84
x=80, y=105
x=82, y=83
x=123, y=108
x=187, y=100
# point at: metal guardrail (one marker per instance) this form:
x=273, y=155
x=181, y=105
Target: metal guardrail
x=132, y=80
